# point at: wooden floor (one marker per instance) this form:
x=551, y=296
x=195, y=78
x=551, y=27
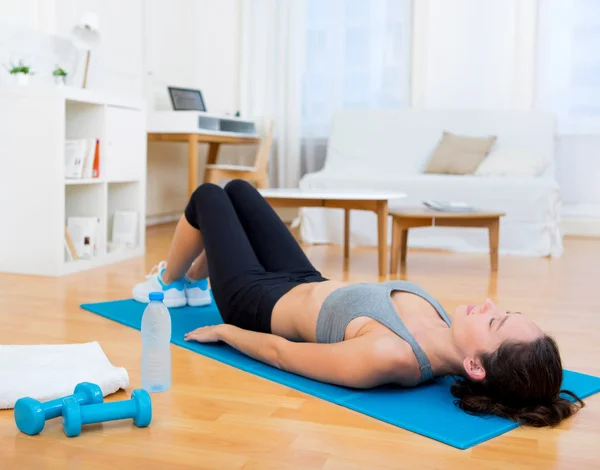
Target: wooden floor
x=221, y=418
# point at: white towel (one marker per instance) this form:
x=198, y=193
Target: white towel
x=45, y=372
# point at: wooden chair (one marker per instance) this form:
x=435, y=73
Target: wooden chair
x=256, y=174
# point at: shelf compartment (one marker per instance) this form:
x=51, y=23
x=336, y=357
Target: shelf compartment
x=87, y=200
x=124, y=196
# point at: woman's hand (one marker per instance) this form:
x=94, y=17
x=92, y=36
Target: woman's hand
x=206, y=334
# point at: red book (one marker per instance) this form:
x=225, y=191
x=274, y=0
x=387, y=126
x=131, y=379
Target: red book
x=96, y=167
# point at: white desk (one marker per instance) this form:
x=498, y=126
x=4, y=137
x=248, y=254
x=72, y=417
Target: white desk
x=196, y=128
x=347, y=200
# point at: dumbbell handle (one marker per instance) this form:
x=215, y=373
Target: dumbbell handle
x=109, y=411
x=53, y=408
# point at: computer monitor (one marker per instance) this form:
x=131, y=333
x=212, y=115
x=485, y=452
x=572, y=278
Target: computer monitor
x=186, y=99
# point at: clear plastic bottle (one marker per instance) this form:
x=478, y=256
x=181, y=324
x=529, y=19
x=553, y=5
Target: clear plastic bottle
x=156, y=350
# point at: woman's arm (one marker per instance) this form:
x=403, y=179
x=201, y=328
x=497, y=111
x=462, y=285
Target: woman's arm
x=260, y=346
x=362, y=362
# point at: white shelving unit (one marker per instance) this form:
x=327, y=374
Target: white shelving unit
x=35, y=197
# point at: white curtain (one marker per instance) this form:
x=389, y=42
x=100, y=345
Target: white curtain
x=270, y=74
x=569, y=63
x=473, y=54
x=568, y=84
x=302, y=60
x=356, y=55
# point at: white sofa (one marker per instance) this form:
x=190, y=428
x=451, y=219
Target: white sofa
x=389, y=149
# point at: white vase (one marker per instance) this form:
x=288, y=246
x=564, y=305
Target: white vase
x=60, y=80
x=22, y=78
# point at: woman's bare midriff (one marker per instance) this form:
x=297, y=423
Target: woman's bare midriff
x=295, y=314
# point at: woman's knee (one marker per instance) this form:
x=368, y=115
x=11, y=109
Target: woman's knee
x=238, y=186
x=206, y=192
x=207, y=197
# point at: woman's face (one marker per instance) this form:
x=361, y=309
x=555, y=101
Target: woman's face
x=483, y=328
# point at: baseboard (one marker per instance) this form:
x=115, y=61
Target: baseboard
x=581, y=211
x=581, y=226
x=161, y=219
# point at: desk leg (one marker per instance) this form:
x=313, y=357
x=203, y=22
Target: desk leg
x=213, y=152
x=382, y=222
x=396, y=242
x=192, y=163
x=346, y=234
x=403, y=245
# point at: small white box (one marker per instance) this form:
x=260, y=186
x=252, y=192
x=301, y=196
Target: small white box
x=124, y=233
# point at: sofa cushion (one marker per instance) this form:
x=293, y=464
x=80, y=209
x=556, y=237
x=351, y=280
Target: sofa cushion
x=400, y=141
x=459, y=155
x=513, y=162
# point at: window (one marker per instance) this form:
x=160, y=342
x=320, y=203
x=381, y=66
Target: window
x=356, y=56
x=568, y=79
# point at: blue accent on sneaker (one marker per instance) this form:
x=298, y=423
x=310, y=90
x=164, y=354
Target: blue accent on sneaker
x=178, y=285
x=197, y=293
x=201, y=283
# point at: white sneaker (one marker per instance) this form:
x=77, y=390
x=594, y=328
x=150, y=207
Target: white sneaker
x=197, y=293
x=174, y=293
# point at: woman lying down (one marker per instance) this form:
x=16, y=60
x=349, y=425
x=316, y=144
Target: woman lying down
x=278, y=309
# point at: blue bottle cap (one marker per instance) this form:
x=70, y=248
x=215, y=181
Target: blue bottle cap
x=156, y=296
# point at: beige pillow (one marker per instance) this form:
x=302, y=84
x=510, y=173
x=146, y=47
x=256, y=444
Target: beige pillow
x=459, y=155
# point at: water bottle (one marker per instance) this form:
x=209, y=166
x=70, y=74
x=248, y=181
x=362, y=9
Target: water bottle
x=156, y=351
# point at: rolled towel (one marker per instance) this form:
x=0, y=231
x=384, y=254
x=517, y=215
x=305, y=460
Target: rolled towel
x=49, y=371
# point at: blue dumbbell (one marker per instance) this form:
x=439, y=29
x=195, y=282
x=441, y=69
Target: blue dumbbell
x=31, y=414
x=139, y=408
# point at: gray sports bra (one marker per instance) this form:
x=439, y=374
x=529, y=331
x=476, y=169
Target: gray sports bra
x=374, y=301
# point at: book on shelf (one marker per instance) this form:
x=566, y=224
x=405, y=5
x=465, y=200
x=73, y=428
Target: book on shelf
x=70, y=246
x=82, y=158
x=96, y=164
x=84, y=235
x=448, y=206
x=68, y=252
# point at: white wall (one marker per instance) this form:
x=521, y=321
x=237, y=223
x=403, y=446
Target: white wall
x=34, y=14
x=578, y=172
x=116, y=66
x=482, y=54
x=189, y=43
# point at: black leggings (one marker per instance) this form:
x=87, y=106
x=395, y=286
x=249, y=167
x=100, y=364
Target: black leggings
x=253, y=259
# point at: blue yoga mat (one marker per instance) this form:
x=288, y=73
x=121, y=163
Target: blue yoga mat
x=428, y=410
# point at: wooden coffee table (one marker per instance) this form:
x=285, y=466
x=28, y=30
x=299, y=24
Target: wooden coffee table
x=347, y=200
x=407, y=218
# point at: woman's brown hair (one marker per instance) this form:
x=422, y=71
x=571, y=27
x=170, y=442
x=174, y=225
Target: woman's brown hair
x=522, y=383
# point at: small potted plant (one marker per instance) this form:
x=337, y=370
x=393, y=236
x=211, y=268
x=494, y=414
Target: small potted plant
x=21, y=72
x=60, y=76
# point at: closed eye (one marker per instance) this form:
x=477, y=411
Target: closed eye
x=504, y=320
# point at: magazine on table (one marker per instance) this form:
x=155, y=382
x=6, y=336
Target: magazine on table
x=449, y=206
